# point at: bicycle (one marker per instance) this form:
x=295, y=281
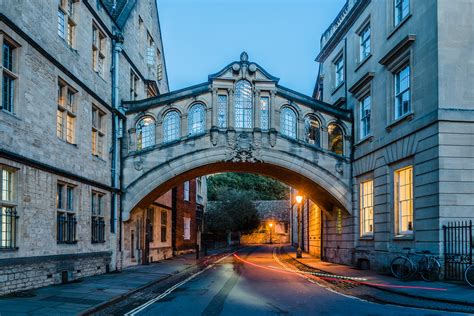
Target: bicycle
x=428, y=266
x=469, y=275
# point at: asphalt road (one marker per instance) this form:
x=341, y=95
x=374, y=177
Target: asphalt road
x=255, y=283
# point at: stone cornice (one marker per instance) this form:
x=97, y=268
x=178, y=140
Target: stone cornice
x=397, y=50
x=362, y=82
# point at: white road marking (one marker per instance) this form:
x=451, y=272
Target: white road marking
x=140, y=308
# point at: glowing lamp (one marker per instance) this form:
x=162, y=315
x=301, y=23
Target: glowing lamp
x=299, y=198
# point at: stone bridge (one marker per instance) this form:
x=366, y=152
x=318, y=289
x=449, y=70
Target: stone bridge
x=239, y=120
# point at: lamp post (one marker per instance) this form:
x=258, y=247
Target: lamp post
x=299, y=199
x=271, y=225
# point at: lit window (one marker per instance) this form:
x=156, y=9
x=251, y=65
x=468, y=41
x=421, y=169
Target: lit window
x=66, y=24
x=171, y=126
x=367, y=208
x=97, y=217
x=65, y=114
x=222, y=111
x=98, y=50
x=335, y=139
x=145, y=133
x=365, y=109
x=402, y=8
x=65, y=215
x=8, y=85
x=8, y=215
x=264, y=113
x=187, y=228
x=196, y=119
x=364, y=43
x=402, y=92
x=312, y=131
x=288, y=122
x=98, y=131
x=339, y=71
x=186, y=191
x=404, y=200
x=243, y=100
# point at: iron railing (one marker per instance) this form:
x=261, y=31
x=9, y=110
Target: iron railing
x=457, y=249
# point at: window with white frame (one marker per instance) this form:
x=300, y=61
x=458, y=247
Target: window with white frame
x=98, y=131
x=339, y=71
x=402, y=92
x=171, y=126
x=97, y=220
x=66, y=112
x=65, y=215
x=99, y=43
x=404, y=200
x=186, y=191
x=401, y=10
x=364, y=38
x=367, y=208
x=133, y=85
x=8, y=214
x=222, y=111
x=66, y=24
x=243, y=104
x=199, y=196
x=264, y=113
x=145, y=133
x=187, y=228
x=8, y=76
x=365, y=105
x=312, y=131
x=335, y=139
x=164, y=225
x=196, y=119
x=288, y=122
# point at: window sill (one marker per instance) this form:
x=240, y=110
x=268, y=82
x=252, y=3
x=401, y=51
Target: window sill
x=8, y=249
x=401, y=119
x=362, y=62
x=66, y=142
x=367, y=139
x=404, y=237
x=99, y=158
x=12, y=114
x=67, y=242
x=337, y=88
x=98, y=242
x=399, y=25
x=367, y=237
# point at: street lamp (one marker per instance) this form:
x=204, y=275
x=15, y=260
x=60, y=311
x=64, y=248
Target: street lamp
x=271, y=225
x=299, y=199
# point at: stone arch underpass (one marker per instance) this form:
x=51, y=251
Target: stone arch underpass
x=242, y=120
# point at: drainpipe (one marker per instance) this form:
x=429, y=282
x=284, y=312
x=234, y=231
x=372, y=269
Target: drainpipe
x=117, y=45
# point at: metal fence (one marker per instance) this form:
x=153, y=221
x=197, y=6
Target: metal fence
x=457, y=249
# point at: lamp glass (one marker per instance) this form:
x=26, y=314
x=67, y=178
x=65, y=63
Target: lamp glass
x=299, y=198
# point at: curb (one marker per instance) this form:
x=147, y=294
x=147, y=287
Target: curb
x=115, y=299
x=421, y=297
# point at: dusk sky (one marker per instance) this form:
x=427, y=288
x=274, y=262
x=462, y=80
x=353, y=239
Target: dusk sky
x=202, y=36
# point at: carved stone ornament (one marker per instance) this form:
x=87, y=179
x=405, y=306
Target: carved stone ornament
x=236, y=67
x=138, y=163
x=243, y=148
x=339, y=168
x=273, y=138
x=244, y=57
x=214, y=136
x=252, y=67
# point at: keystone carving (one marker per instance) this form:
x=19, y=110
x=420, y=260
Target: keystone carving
x=243, y=148
x=214, y=136
x=138, y=163
x=339, y=168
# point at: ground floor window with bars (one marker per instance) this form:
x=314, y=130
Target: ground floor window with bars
x=97, y=222
x=66, y=227
x=8, y=224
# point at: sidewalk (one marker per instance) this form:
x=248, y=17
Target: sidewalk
x=77, y=297
x=447, y=292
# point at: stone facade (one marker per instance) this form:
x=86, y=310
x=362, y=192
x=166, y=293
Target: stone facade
x=31, y=150
x=434, y=137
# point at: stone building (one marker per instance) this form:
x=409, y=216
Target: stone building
x=66, y=65
x=405, y=69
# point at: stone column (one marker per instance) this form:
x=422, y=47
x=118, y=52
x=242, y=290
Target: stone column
x=324, y=138
x=256, y=107
x=214, y=110
x=300, y=127
x=132, y=134
x=230, y=110
x=272, y=111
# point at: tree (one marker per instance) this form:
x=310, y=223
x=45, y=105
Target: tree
x=233, y=212
x=263, y=188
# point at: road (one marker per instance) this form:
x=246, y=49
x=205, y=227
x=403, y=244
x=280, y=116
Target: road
x=255, y=282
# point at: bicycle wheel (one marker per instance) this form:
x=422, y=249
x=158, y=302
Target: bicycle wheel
x=430, y=269
x=402, y=267
x=469, y=275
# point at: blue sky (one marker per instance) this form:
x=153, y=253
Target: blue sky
x=202, y=36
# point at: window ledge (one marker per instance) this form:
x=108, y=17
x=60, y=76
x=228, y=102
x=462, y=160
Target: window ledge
x=363, y=61
x=99, y=158
x=399, y=25
x=98, y=242
x=405, y=117
x=11, y=114
x=404, y=237
x=8, y=249
x=337, y=88
x=366, y=139
x=367, y=237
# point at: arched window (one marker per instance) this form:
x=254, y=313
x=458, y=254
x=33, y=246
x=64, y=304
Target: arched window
x=145, y=133
x=288, y=122
x=335, y=139
x=171, y=126
x=243, y=104
x=196, y=119
x=312, y=131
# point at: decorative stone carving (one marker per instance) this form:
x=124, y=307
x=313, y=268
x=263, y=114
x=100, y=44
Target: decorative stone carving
x=243, y=148
x=214, y=135
x=252, y=67
x=138, y=163
x=339, y=168
x=236, y=67
x=273, y=137
x=244, y=57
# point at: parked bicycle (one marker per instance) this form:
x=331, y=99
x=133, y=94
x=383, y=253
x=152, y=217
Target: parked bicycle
x=469, y=275
x=426, y=265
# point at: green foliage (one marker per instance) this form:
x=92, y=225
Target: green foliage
x=234, y=211
x=262, y=188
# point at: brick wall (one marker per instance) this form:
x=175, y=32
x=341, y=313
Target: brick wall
x=185, y=209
